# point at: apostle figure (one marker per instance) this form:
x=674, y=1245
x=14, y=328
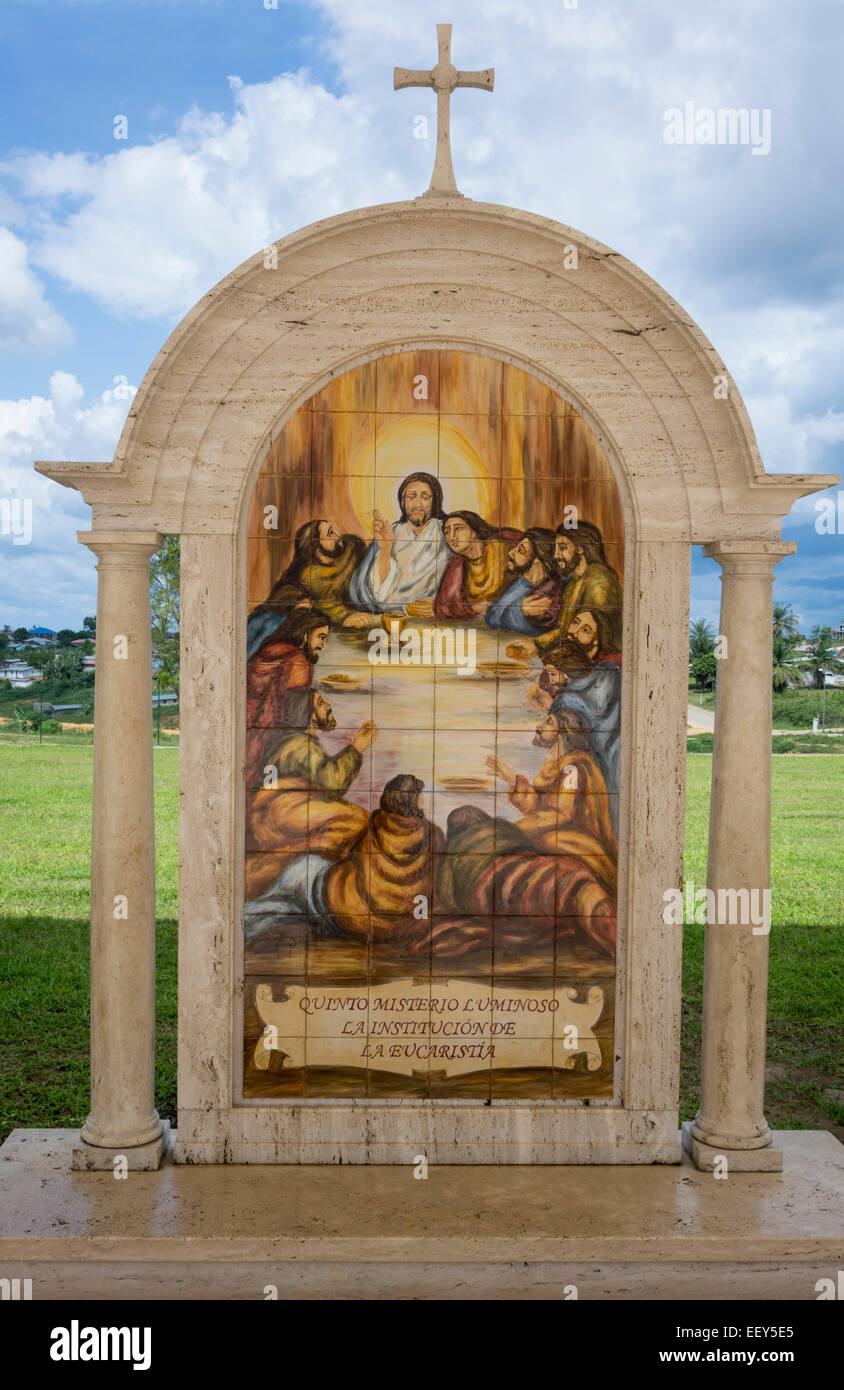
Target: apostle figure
x=324, y=561
x=592, y=630
x=284, y=662
x=270, y=615
x=477, y=571
x=405, y=561
x=495, y=885
x=565, y=810
x=591, y=687
x=301, y=814
x=531, y=602
x=590, y=583
x=596, y=694
x=589, y=636
x=371, y=894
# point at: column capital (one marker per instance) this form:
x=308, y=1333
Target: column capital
x=748, y=557
x=122, y=547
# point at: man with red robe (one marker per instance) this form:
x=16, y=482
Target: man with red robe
x=477, y=572
x=285, y=662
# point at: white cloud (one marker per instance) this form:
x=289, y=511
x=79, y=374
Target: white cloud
x=574, y=130
x=785, y=360
x=52, y=578
x=27, y=321
x=148, y=229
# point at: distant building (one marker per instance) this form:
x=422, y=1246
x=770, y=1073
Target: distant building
x=41, y=632
x=19, y=673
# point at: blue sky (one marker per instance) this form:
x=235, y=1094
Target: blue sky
x=245, y=122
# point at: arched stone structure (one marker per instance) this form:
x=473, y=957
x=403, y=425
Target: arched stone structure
x=579, y=317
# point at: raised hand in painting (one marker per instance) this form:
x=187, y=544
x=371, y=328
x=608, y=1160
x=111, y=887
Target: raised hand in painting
x=382, y=530
x=498, y=768
x=383, y=533
x=365, y=736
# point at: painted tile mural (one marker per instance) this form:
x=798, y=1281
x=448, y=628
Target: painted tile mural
x=432, y=744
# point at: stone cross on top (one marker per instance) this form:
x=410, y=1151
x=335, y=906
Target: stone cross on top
x=443, y=78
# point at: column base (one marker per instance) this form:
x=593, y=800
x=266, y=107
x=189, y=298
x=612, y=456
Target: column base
x=703, y=1156
x=143, y=1158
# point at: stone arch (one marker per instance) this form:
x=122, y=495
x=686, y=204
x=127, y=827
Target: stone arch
x=473, y=275
x=606, y=337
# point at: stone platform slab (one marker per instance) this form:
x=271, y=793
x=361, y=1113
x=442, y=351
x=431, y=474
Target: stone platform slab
x=228, y=1232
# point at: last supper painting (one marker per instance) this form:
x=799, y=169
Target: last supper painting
x=433, y=696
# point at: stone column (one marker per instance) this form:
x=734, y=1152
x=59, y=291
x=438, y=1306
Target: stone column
x=123, y=1119
x=731, y=1121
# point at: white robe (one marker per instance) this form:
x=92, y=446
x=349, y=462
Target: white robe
x=417, y=561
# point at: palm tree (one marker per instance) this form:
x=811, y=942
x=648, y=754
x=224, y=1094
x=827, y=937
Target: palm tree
x=785, y=671
x=701, y=639
x=822, y=658
x=785, y=620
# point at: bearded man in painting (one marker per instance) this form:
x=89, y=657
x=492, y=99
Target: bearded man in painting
x=591, y=687
x=324, y=561
x=565, y=809
x=531, y=602
x=285, y=662
x=405, y=560
x=301, y=821
x=590, y=583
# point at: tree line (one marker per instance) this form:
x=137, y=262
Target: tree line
x=789, y=667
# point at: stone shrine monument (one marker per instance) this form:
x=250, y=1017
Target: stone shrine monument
x=437, y=468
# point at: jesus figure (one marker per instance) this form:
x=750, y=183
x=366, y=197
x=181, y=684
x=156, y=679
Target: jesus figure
x=405, y=561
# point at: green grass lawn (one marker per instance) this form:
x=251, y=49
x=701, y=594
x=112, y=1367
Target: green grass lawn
x=45, y=794
x=806, y=981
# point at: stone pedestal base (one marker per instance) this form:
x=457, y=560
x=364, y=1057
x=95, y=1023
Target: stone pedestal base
x=703, y=1156
x=467, y=1232
x=143, y=1158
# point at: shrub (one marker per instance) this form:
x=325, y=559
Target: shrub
x=795, y=709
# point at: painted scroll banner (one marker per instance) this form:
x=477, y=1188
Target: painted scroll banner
x=451, y=1027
